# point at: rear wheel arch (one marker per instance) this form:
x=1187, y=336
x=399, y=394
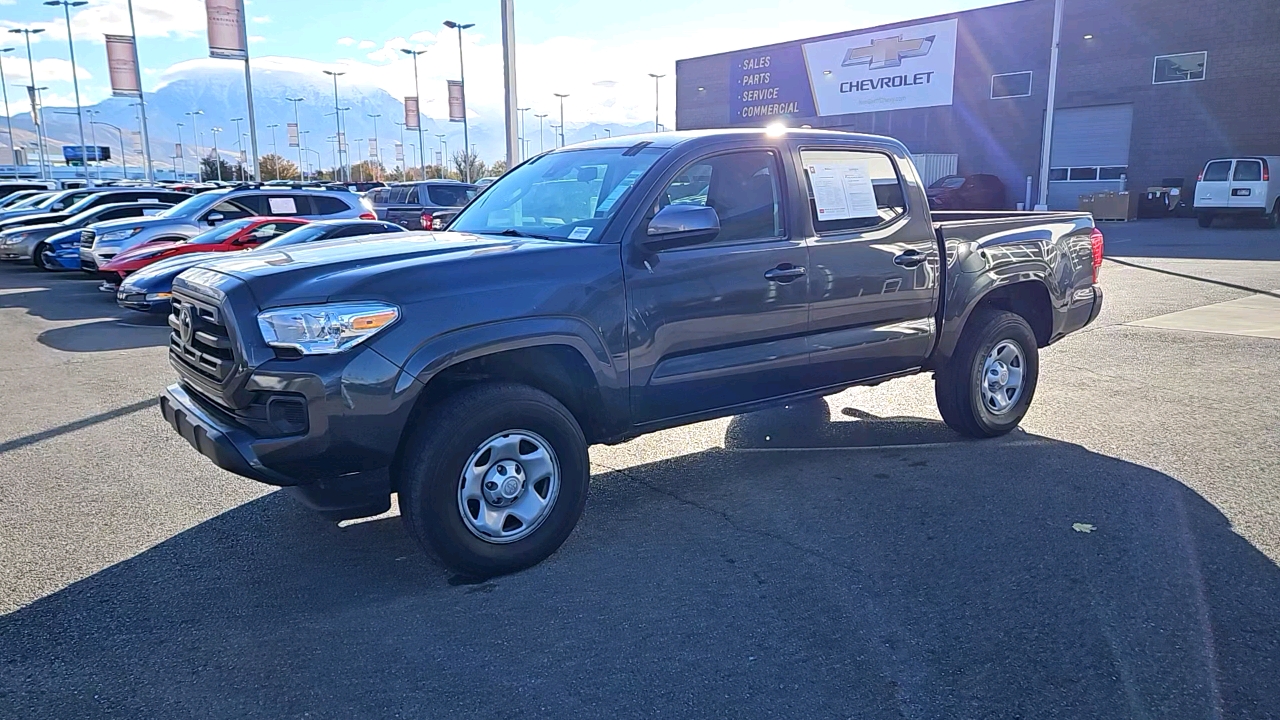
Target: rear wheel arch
x=1029, y=299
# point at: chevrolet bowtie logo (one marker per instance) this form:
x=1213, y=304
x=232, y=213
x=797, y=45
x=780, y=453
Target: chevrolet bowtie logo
x=887, y=52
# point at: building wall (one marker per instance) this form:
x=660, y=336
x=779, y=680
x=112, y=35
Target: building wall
x=1176, y=127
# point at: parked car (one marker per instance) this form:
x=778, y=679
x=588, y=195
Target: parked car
x=574, y=303
x=414, y=205
x=96, y=199
x=1241, y=187
x=243, y=234
x=485, y=182
x=13, y=198
x=29, y=242
x=967, y=192
x=8, y=187
x=54, y=202
x=214, y=207
x=149, y=289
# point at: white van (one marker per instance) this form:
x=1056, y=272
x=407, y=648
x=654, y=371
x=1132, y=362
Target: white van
x=1239, y=186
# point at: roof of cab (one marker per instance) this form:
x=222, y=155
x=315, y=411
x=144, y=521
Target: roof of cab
x=671, y=139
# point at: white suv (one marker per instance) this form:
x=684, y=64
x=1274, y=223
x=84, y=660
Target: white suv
x=1239, y=186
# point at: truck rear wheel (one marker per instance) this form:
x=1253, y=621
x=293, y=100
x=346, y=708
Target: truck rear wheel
x=1272, y=219
x=1204, y=219
x=494, y=478
x=986, y=387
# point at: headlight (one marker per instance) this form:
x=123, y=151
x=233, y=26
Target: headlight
x=14, y=239
x=152, y=297
x=119, y=235
x=325, y=329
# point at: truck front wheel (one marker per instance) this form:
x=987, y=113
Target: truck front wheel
x=494, y=478
x=986, y=387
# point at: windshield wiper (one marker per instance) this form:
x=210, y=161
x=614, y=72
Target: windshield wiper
x=512, y=232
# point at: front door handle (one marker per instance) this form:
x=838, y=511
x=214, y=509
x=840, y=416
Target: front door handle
x=910, y=259
x=785, y=273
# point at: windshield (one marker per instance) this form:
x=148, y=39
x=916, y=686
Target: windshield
x=221, y=233
x=194, y=205
x=306, y=233
x=566, y=195
x=16, y=199
x=31, y=201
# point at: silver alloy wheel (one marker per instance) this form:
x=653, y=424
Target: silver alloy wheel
x=508, y=486
x=1002, y=375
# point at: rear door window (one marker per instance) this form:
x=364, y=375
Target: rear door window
x=1248, y=171
x=450, y=196
x=328, y=205
x=1218, y=171
x=852, y=189
x=399, y=195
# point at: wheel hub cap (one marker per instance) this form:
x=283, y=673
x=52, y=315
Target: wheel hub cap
x=508, y=486
x=1002, y=374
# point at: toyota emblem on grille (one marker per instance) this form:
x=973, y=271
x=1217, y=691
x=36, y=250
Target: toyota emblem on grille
x=186, y=328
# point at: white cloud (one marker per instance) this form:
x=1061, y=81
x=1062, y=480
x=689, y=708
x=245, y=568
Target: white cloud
x=261, y=19
x=366, y=44
x=257, y=38
x=346, y=41
x=179, y=19
x=47, y=70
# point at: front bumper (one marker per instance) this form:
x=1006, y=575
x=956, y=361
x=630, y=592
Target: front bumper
x=16, y=251
x=137, y=300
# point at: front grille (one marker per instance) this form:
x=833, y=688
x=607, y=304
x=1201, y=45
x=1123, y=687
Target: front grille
x=86, y=238
x=200, y=341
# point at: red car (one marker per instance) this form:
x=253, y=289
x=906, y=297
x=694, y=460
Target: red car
x=240, y=234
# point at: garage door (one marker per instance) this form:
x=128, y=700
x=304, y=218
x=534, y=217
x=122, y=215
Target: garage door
x=1090, y=153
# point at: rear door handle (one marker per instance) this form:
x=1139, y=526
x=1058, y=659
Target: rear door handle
x=785, y=273
x=910, y=259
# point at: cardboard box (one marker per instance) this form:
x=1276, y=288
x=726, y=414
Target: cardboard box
x=1086, y=203
x=1114, y=206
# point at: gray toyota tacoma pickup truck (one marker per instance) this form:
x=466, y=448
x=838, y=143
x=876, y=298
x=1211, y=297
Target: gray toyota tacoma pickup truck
x=598, y=292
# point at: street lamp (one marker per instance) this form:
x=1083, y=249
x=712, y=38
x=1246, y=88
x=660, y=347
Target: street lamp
x=75, y=82
x=124, y=164
x=523, y=139
x=13, y=148
x=35, y=99
x=337, y=119
x=93, y=138
x=273, y=127
x=182, y=153
x=656, y=78
x=217, y=159
x=403, y=174
x=239, y=146
x=562, y=96
x=377, y=150
x=195, y=130
x=422, y=165
x=298, y=125
x=462, y=81
x=542, y=146
x=444, y=153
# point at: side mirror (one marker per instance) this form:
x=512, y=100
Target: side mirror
x=678, y=226
x=214, y=218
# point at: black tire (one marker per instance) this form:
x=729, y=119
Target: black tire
x=958, y=385
x=37, y=257
x=1272, y=219
x=440, y=445
x=1204, y=219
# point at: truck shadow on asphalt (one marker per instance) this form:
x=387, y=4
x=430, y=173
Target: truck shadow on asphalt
x=55, y=296
x=975, y=579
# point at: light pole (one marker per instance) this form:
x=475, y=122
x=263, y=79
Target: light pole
x=524, y=140
x=142, y=110
x=298, y=124
x=1046, y=143
x=302, y=147
x=35, y=100
x=415, y=150
x=124, y=164
x=75, y=82
x=93, y=138
x=444, y=154
x=182, y=152
x=542, y=145
x=656, y=78
x=378, y=150
x=337, y=119
x=217, y=159
x=239, y=146
x=562, y=96
x=462, y=79
x=273, y=127
x=422, y=165
x=195, y=129
x=403, y=174
x=13, y=148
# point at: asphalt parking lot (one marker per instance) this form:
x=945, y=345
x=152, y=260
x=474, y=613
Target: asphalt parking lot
x=850, y=558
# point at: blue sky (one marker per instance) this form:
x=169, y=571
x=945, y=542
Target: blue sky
x=599, y=52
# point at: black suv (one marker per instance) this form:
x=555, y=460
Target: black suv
x=421, y=205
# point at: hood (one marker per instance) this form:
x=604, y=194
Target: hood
x=138, y=251
x=160, y=274
x=46, y=229
x=32, y=219
x=103, y=228
x=372, y=267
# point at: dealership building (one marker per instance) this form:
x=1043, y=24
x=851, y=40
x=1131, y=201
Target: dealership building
x=1146, y=90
